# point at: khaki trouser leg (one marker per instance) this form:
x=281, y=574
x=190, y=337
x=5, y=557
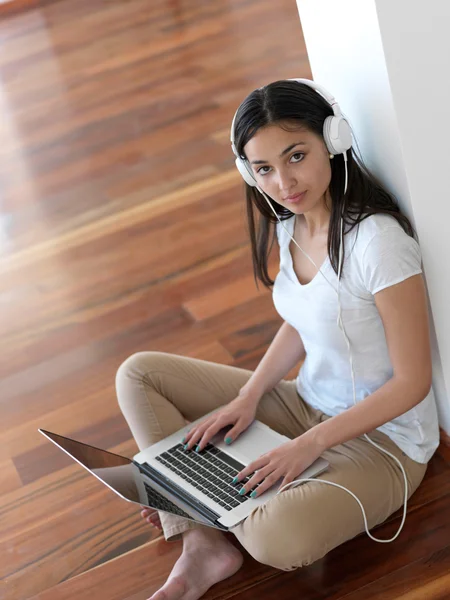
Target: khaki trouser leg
x=157, y=392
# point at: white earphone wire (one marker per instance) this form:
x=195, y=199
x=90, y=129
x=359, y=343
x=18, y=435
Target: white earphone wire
x=341, y=326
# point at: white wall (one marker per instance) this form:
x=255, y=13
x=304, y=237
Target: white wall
x=386, y=62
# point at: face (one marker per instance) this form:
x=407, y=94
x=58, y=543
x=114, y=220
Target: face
x=288, y=163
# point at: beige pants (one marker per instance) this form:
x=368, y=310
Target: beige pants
x=158, y=392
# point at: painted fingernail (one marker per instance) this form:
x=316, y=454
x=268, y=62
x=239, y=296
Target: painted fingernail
x=197, y=448
x=235, y=480
x=253, y=494
x=242, y=491
x=186, y=446
x=228, y=440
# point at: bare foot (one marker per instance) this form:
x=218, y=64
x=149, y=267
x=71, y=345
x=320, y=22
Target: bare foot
x=207, y=558
x=151, y=516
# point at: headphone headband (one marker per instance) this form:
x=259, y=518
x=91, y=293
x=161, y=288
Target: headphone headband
x=336, y=132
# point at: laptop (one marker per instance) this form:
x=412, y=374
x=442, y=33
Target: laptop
x=196, y=486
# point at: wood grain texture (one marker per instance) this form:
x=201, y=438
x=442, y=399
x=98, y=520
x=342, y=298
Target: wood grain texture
x=445, y=438
x=122, y=229
x=105, y=581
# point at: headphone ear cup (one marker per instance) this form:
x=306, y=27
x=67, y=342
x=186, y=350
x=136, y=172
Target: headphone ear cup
x=337, y=134
x=246, y=175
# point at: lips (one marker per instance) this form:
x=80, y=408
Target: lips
x=294, y=198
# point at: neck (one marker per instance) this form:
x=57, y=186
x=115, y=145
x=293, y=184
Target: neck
x=313, y=229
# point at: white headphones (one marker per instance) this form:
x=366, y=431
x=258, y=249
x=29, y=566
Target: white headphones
x=338, y=139
x=336, y=133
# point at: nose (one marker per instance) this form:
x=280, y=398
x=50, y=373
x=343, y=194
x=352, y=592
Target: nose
x=286, y=181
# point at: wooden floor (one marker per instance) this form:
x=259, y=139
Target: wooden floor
x=122, y=228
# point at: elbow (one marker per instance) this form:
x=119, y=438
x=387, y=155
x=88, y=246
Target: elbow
x=417, y=387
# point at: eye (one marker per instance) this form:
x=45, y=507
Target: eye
x=297, y=156
x=260, y=171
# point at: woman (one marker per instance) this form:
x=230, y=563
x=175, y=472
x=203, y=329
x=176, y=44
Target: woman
x=278, y=132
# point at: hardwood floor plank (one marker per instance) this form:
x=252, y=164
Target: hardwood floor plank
x=88, y=524
x=115, y=315
x=60, y=391
x=142, y=581
x=221, y=299
x=9, y=476
x=46, y=458
x=132, y=217
x=427, y=578
x=70, y=418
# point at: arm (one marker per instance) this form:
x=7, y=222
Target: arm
x=285, y=351
x=392, y=399
x=404, y=313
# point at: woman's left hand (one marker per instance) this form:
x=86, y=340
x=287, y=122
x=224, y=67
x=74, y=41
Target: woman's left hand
x=287, y=461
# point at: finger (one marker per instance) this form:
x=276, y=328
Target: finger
x=194, y=430
x=266, y=484
x=247, y=486
x=235, y=431
x=211, y=432
x=196, y=434
x=257, y=464
x=189, y=435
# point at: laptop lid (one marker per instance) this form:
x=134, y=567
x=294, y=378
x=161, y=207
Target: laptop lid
x=122, y=476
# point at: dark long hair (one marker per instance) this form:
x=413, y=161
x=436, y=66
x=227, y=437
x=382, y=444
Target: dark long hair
x=297, y=103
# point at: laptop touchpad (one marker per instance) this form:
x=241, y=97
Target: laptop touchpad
x=254, y=441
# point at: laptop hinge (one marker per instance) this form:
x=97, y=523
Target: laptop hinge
x=187, y=498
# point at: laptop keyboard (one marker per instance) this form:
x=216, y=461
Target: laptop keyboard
x=210, y=471
x=160, y=502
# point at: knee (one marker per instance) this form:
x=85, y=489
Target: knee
x=129, y=365
x=137, y=364
x=282, y=541
x=280, y=552
x=133, y=369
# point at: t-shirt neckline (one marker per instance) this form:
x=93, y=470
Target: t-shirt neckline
x=290, y=226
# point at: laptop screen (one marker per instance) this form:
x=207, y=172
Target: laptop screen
x=114, y=470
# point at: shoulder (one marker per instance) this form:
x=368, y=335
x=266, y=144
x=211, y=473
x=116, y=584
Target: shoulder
x=378, y=232
x=374, y=225
x=385, y=253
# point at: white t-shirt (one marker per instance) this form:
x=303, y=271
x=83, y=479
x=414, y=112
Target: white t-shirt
x=381, y=255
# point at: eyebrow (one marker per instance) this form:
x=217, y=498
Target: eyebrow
x=285, y=151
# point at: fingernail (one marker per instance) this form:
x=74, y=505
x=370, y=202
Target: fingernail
x=253, y=494
x=185, y=446
x=242, y=492
x=228, y=440
x=235, y=480
x=197, y=448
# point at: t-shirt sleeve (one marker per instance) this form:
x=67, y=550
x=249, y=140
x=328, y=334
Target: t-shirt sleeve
x=390, y=257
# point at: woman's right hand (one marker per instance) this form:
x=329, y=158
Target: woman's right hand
x=240, y=413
